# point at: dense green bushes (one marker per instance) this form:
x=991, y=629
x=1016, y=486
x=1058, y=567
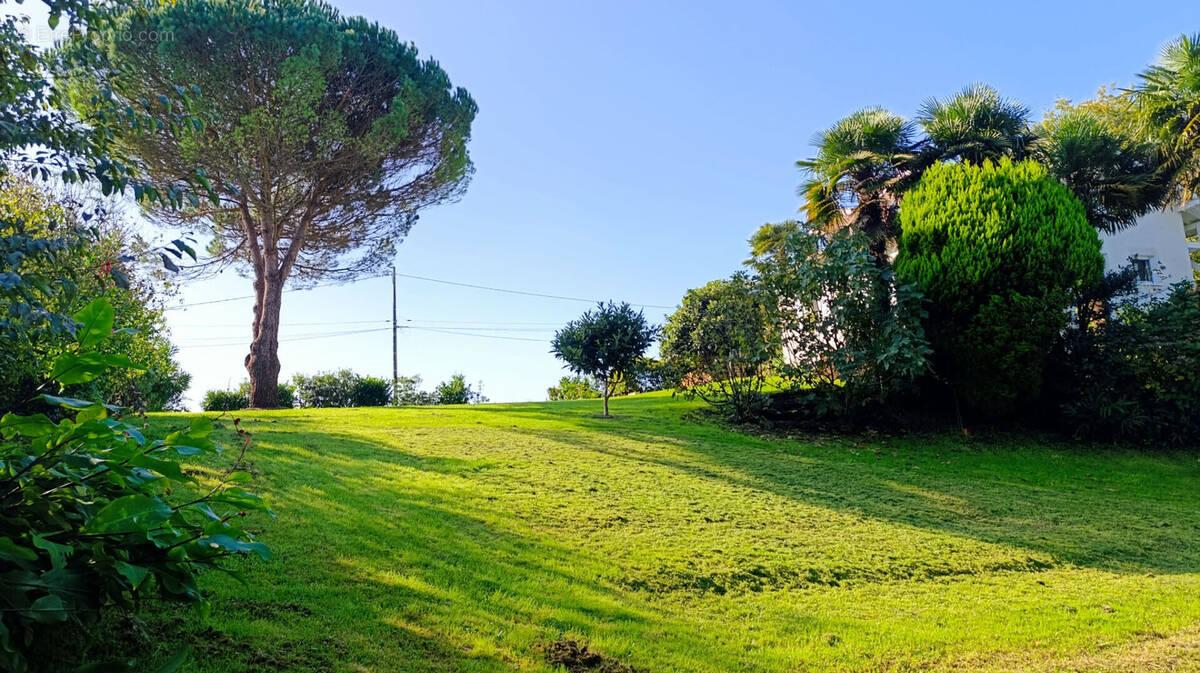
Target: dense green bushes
x=573, y=388
x=456, y=390
x=90, y=519
x=1129, y=371
x=91, y=516
x=852, y=335
x=998, y=249
x=102, y=259
x=328, y=389
x=724, y=335
x=223, y=400
x=344, y=388
x=370, y=391
x=233, y=400
x=820, y=321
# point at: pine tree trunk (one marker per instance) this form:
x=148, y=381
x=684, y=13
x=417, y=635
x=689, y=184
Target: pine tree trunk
x=263, y=361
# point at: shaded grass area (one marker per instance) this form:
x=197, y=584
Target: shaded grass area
x=485, y=538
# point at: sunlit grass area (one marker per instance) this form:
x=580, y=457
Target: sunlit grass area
x=472, y=538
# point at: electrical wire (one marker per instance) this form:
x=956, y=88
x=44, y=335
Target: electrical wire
x=250, y=296
x=305, y=337
x=428, y=280
x=482, y=336
x=519, y=292
x=222, y=342
x=291, y=324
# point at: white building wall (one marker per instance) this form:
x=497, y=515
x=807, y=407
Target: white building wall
x=1159, y=238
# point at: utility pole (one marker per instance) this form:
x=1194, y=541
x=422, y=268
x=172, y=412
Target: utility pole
x=395, y=330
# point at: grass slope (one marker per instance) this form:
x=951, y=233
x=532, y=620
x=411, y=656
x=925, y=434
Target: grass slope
x=469, y=539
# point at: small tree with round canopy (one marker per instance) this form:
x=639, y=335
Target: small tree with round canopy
x=606, y=343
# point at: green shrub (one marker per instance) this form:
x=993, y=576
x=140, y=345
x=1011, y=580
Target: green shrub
x=233, y=400
x=573, y=388
x=723, y=335
x=408, y=392
x=91, y=516
x=369, y=391
x=29, y=212
x=325, y=389
x=1128, y=372
x=457, y=391
x=224, y=400
x=287, y=394
x=998, y=249
x=342, y=388
x=851, y=334
x=647, y=375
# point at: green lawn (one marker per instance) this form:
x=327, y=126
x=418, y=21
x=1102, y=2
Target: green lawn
x=469, y=539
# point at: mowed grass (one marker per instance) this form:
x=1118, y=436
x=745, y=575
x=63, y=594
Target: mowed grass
x=470, y=538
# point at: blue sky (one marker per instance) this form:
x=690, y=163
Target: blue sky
x=626, y=150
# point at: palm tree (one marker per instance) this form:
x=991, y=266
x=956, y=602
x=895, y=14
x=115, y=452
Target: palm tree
x=858, y=174
x=1116, y=177
x=973, y=125
x=1168, y=100
x=770, y=240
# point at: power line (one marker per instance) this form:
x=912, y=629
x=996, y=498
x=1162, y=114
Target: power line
x=478, y=335
x=288, y=337
x=520, y=292
x=485, y=322
x=291, y=324
x=428, y=280
x=250, y=296
x=455, y=324
x=225, y=342
x=287, y=340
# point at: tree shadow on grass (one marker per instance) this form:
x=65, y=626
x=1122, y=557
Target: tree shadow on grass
x=408, y=561
x=398, y=572
x=1111, y=510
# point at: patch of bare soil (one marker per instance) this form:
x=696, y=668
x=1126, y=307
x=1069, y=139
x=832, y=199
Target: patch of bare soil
x=577, y=658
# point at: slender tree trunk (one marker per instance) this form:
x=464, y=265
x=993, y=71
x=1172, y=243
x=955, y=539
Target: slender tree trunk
x=606, y=394
x=263, y=361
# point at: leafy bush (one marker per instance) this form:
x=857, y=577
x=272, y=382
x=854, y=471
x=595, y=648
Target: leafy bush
x=408, y=392
x=1127, y=371
x=234, y=400
x=723, y=335
x=647, y=375
x=224, y=400
x=342, y=388
x=90, y=519
x=573, y=388
x=370, y=391
x=101, y=260
x=325, y=389
x=287, y=394
x=457, y=391
x=851, y=334
x=998, y=249
x=87, y=520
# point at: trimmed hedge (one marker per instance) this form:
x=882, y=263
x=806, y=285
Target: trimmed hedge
x=998, y=249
